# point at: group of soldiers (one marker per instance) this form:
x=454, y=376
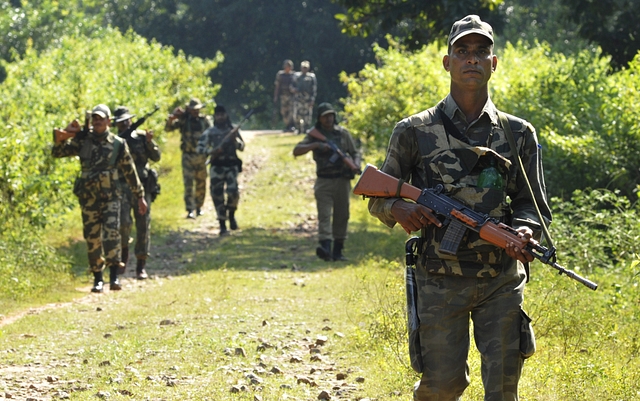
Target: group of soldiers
x=116, y=179
x=296, y=92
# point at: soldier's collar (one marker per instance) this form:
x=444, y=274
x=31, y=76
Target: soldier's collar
x=450, y=107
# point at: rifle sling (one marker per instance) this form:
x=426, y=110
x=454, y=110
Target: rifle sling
x=512, y=143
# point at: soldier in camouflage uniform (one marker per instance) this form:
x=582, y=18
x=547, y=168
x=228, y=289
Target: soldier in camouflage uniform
x=481, y=282
x=225, y=166
x=333, y=184
x=191, y=125
x=142, y=148
x=304, y=87
x=103, y=157
x=282, y=91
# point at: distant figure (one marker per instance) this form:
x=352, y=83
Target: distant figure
x=103, y=157
x=282, y=91
x=304, y=88
x=142, y=148
x=333, y=185
x=191, y=125
x=225, y=166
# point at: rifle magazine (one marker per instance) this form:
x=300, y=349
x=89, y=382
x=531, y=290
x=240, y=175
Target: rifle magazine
x=452, y=237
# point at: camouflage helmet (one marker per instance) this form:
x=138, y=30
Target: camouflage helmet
x=325, y=108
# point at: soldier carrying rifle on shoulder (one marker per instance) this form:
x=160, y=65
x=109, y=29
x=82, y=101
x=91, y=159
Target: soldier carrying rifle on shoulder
x=103, y=158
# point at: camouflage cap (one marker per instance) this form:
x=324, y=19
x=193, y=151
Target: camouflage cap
x=325, y=108
x=101, y=110
x=468, y=25
x=121, y=113
x=195, y=104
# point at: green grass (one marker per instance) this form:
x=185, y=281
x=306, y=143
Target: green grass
x=263, y=290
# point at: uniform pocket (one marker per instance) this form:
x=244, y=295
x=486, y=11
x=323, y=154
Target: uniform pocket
x=527, y=338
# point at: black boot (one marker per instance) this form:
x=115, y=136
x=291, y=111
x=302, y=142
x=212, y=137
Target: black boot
x=98, y=284
x=114, y=283
x=124, y=259
x=338, y=246
x=324, y=250
x=232, y=220
x=223, y=227
x=141, y=274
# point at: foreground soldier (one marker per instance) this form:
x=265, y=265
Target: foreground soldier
x=282, y=91
x=304, y=87
x=142, y=148
x=456, y=144
x=221, y=145
x=333, y=185
x=194, y=171
x=102, y=157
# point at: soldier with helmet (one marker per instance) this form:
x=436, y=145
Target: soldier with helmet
x=221, y=142
x=333, y=183
x=304, y=88
x=104, y=157
x=142, y=148
x=194, y=171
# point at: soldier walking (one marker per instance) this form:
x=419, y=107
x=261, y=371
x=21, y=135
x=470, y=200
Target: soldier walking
x=282, y=91
x=225, y=166
x=304, y=88
x=142, y=148
x=103, y=157
x=194, y=171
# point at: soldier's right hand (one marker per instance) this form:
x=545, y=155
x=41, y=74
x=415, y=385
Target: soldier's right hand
x=412, y=216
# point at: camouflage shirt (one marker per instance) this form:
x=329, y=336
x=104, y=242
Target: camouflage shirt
x=191, y=128
x=328, y=165
x=212, y=138
x=99, y=176
x=141, y=151
x=283, y=83
x=457, y=165
x=305, y=84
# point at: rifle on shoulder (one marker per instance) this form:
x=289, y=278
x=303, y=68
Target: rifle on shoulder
x=72, y=129
x=218, y=149
x=337, y=153
x=458, y=218
x=134, y=126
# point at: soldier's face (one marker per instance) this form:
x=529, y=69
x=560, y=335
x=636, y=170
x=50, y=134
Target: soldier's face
x=100, y=124
x=123, y=125
x=470, y=62
x=194, y=112
x=327, y=121
x=220, y=117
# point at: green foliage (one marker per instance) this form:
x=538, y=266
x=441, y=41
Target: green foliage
x=584, y=115
x=51, y=88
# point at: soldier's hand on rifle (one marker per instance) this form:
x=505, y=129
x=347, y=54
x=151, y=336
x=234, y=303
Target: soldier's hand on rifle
x=142, y=205
x=149, y=135
x=412, y=216
x=513, y=251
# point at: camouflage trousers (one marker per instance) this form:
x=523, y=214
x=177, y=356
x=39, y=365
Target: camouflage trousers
x=194, y=170
x=286, y=110
x=143, y=223
x=302, y=110
x=219, y=177
x=332, y=201
x=445, y=304
x=101, y=230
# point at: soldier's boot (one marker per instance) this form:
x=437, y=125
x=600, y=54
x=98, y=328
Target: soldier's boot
x=199, y=212
x=233, y=224
x=338, y=246
x=190, y=214
x=324, y=250
x=98, y=283
x=114, y=282
x=223, y=227
x=124, y=259
x=141, y=273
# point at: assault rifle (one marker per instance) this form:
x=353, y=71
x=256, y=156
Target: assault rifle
x=458, y=218
x=72, y=129
x=337, y=153
x=138, y=123
x=218, y=149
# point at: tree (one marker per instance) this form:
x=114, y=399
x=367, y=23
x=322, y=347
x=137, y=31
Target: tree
x=415, y=22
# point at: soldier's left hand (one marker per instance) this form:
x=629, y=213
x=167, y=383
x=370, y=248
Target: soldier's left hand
x=516, y=250
x=142, y=206
x=149, y=135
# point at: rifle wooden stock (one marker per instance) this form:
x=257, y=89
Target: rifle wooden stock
x=61, y=135
x=315, y=133
x=375, y=183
